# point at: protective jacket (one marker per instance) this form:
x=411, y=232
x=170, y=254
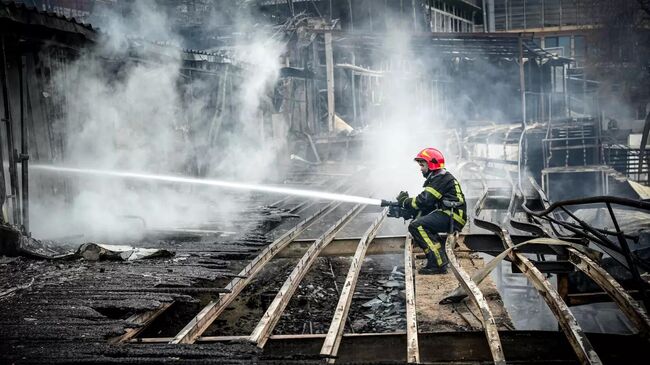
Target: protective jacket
x=439, y=187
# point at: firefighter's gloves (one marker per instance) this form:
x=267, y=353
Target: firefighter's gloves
x=403, y=195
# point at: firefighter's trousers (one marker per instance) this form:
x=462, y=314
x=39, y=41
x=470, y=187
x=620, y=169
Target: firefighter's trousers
x=425, y=234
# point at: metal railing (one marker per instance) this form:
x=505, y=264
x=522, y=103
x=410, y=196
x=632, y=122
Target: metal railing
x=625, y=160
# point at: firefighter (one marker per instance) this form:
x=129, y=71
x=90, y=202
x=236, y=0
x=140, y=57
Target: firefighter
x=440, y=207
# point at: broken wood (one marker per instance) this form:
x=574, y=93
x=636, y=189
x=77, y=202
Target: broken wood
x=144, y=320
x=209, y=313
x=335, y=332
x=487, y=319
x=625, y=302
x=576, y=336
x=16, y=288
x=265, y=326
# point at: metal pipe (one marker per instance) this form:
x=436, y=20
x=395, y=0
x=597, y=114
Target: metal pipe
x=590, y=200
x=329, y=65
x=24, y=152
x=485, y=24
x=644, y=142
x=522, y=86
x=415, y=19
x=351, y=16
x=628, y=256
x=7, y=116
x=490, y=9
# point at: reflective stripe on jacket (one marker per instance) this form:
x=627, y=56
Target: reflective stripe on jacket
x=439, y=187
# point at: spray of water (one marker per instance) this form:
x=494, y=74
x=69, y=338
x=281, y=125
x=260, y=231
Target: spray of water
x=210, y=182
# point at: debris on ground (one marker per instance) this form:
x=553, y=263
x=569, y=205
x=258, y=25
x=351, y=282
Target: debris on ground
x=96, y=251
x=387, y=310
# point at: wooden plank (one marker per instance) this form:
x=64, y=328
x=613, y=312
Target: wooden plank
x=306, y=336
x=596, y=297
x=523, y=347
x=434, y=317
x=210, y=312
x=394, y=244
x=568, y=323
x=333, y=339
x=625, y=302
x=144, y=320
x=412, y=347
x=347, y=246
x=575, y=335
x=265, y=326
x=487, y=319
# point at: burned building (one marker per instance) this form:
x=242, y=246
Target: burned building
x=208, y=181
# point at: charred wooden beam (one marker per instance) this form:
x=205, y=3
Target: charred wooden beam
x=576, y=336
x=210, y=312
x=412, y=345
x=550, y=267
x=460, y=293
x=489, y=324
x=539, y=347
x=596, y=297
x=266, y=325
x=492, y=245
x=347, y=246
x=602, y=278
x=625, y=302
x=334, y=334
x=142, y=319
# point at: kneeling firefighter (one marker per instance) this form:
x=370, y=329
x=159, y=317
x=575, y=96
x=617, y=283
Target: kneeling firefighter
x=440, y=207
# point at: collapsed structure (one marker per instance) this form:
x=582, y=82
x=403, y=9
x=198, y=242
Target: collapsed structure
x=558, y=189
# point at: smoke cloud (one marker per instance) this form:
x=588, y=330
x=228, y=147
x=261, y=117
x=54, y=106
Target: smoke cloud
x=129, y=105
x=407, y=121
x=426, y=98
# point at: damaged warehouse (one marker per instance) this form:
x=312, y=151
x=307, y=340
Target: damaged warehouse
x=213, y=181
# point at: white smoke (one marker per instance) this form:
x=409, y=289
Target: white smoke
x=406, y=123
x=251, y=146
x=145, y=115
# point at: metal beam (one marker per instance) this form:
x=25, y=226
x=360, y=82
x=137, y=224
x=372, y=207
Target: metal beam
x=576, y=336
x=549, y=267
x=625, y=302
x=329, y=65
x=596, y=297
x=347, y=246
x=210, y=312
x=522, y=84
x=492, y=245
x=23, y=158
x=5, y=119
x=266, y=325
x=489, y=324
x=382, y=245
x=412, y=346
x=334, y=334
x=478, y=276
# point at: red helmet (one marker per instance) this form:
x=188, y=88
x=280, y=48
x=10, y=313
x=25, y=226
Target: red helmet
x=434, y=158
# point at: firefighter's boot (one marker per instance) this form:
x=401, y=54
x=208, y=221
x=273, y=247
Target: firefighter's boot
x=432, y=267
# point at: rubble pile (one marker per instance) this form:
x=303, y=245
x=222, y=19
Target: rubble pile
x=387, y=310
